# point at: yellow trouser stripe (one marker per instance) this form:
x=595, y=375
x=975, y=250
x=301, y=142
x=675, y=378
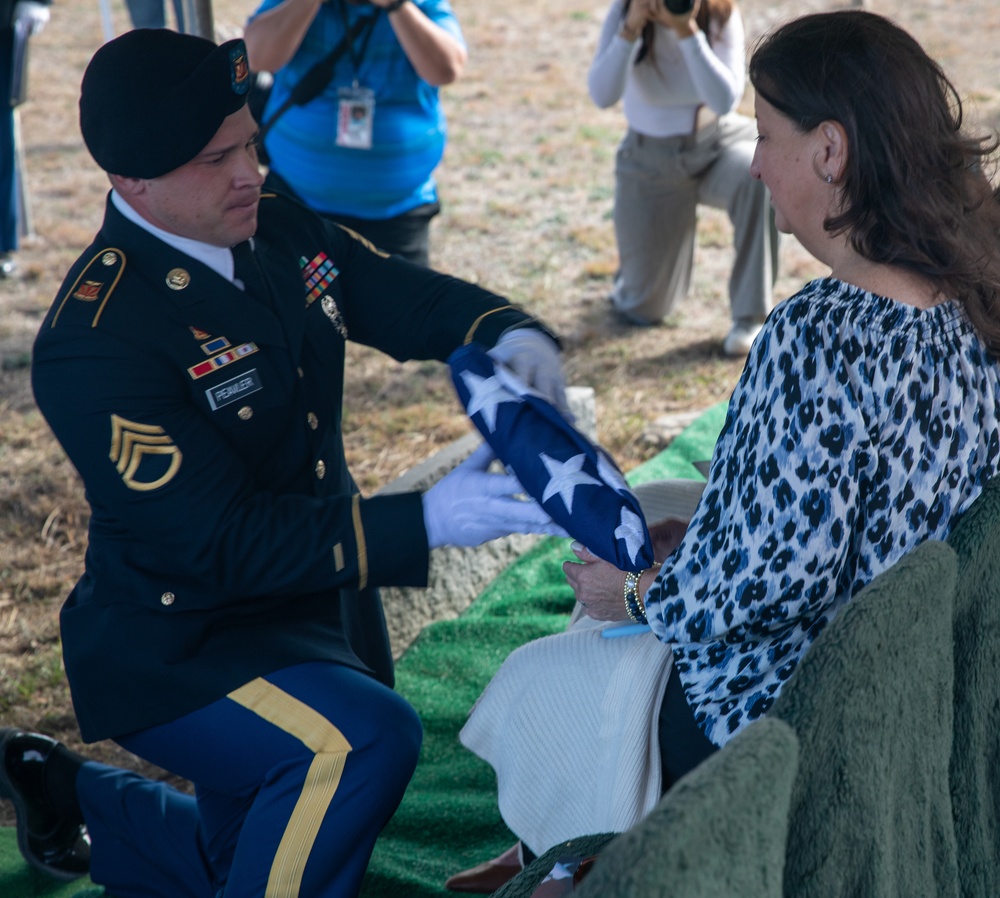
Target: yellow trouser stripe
x=359, y=536
x=322, y=780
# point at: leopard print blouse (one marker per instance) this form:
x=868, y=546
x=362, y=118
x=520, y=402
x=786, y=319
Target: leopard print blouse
x=860, y=427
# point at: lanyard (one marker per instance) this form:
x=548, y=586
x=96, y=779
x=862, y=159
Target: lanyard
x=357, y=55
x=315, y=81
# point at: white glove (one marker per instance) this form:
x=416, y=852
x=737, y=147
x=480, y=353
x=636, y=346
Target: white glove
x=469, y=506
x=535, y=359
x=33, y=16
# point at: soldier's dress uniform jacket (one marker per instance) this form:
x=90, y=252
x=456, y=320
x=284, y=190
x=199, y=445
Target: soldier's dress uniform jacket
x=227, y=537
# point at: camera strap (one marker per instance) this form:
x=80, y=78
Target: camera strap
x=314, y=82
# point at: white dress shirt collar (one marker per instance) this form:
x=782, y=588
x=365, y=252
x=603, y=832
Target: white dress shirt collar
x=218, y=258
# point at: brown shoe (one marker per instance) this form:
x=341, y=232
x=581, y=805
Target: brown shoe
x=487, y=877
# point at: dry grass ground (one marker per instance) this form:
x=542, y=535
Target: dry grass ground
x=527, y=194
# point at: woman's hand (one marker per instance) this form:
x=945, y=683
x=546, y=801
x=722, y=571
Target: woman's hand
x=598, y=585
x=639, y=12
x=684, y=25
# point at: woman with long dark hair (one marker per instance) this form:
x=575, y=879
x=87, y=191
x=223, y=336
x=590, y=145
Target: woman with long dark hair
x=866, y=421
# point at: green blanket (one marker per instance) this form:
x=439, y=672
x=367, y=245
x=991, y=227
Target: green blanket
x=448, y=819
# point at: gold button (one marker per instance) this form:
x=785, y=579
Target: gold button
x=109, y=258
x=320, y=469
x=245, y=413
x=178, y=279
x=313, y=420
x=167, y=598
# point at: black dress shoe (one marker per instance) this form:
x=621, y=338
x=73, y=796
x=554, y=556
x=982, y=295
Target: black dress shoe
x=47, y=841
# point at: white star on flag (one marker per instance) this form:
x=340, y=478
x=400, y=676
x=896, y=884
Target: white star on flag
x=485, y=394
x=630, y=530
x=610, y=474
x=565, y=477
x=551, y=458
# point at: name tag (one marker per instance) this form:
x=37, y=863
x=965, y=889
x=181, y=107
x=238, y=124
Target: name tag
x=233, y=389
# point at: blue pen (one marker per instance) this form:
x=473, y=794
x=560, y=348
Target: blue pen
x=624, y=630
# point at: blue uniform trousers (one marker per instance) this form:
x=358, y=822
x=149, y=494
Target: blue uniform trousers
x=295, y=775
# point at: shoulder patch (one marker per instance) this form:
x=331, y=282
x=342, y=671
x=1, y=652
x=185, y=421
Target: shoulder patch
x=93, y=286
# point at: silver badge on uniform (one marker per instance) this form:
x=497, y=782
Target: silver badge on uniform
x=330, y=308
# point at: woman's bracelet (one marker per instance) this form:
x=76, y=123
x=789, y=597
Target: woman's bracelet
x=634, y=606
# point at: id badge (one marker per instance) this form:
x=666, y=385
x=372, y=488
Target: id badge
x=356, y=113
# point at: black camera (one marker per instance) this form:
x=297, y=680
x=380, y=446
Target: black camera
x=678, y=7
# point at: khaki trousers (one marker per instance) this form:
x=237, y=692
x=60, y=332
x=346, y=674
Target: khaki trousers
x=659, y=183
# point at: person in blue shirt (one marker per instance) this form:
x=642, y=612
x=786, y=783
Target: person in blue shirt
x=362, y=153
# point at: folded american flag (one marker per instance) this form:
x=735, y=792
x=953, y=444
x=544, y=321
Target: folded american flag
x=574, y=480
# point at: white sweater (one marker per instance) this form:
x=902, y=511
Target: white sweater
x=662, y=94
x=569, y=724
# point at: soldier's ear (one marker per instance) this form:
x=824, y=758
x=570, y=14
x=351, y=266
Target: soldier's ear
x=127, y=187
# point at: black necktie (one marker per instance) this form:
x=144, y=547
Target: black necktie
x=246, y=269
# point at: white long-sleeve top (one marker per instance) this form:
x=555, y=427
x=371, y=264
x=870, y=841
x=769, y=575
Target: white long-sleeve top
x=662, y=94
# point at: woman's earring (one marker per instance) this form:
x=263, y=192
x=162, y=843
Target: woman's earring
x=829, y=179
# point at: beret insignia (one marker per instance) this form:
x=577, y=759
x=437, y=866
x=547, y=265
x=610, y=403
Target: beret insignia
x=239, y=69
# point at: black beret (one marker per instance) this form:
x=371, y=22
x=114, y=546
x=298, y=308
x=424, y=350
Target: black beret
x=153, y=98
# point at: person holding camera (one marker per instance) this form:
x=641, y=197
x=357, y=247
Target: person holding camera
x=679, y=68
x=363, y=151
